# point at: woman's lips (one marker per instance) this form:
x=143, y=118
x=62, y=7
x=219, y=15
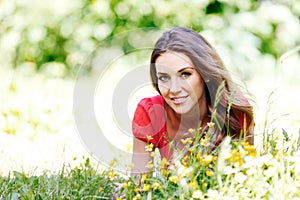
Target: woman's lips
x=178, y=100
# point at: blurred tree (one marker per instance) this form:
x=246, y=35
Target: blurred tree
x=66, y=31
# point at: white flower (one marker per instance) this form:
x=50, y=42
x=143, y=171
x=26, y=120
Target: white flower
x=268, y=160
x=251, y=171
x=270, y=172
x=214, y=194
x=197, y=194
x=240, y=177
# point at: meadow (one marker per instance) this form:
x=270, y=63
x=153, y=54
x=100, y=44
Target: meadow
x=44, y=158
x=43, y=45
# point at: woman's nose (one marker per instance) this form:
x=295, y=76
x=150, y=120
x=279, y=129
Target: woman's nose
x=175, y=87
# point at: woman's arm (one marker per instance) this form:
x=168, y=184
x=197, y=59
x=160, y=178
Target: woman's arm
x=140, y=157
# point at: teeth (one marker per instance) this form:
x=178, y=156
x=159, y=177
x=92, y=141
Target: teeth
x=178, y=99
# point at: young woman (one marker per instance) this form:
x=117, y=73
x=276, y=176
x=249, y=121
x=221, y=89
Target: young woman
x=187, y=72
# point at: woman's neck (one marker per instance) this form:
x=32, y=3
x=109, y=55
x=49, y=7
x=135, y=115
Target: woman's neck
x=183, y=122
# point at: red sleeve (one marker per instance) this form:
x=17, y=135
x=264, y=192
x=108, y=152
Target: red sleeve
x=148, y=120
x=243, y=119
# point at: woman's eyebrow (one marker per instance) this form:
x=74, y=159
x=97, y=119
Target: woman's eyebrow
x=182, y=69
x=161, y=73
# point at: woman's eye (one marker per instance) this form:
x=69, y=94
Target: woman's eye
x=185, y=74
x=163, y=78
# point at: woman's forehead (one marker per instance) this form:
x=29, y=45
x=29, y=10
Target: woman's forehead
x=173, y=61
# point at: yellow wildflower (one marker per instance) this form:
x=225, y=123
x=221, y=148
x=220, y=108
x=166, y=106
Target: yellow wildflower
x=249, y=149
x=187, y=141
x=130, y=166
x=137, y=196
x=276, y=136
x=149, y=137
x=208, y=159
x=150, y=165
x=235, y=157
x=144, y=177
x=198, y=156
x=208, y=173
x=184, y=141
x=191, y=130
x=210, y=124
x=184, y=160
x=204, y=141
x=193, y=184
x=136, y=190
x=146, y=187
x=100, y=189
x=163, y=162
x=125, y=185
x=156, y=185
x=245, y=144
x=111, y=174
x=174, y=179
x=149, y=147
x=128, y=147
x=112, y=162
x=153, y=154
x=164, y=172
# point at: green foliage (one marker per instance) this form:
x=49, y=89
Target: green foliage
x=55, y=32
x=238, y=170
x=83, y=182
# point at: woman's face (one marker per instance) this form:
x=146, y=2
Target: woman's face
x=179, y=83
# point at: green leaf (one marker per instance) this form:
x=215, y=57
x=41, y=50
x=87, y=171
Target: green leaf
x=286, y=137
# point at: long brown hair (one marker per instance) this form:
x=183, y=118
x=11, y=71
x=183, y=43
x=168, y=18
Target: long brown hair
x=213, y=72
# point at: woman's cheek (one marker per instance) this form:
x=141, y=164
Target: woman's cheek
x=163, y=88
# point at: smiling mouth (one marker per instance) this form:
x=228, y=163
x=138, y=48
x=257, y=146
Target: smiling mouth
x=178, y=100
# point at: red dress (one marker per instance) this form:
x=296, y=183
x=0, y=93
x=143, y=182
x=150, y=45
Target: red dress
x=150, y=120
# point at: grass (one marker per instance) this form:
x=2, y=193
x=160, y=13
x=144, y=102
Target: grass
x=83, y=182
x=237, y=171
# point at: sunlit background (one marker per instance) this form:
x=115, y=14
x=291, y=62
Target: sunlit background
x=43, y=45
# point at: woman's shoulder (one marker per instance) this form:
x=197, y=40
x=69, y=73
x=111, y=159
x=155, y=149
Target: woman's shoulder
x=150, y=104
x=149, y=118
x=150, y=107
x=150, y=101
